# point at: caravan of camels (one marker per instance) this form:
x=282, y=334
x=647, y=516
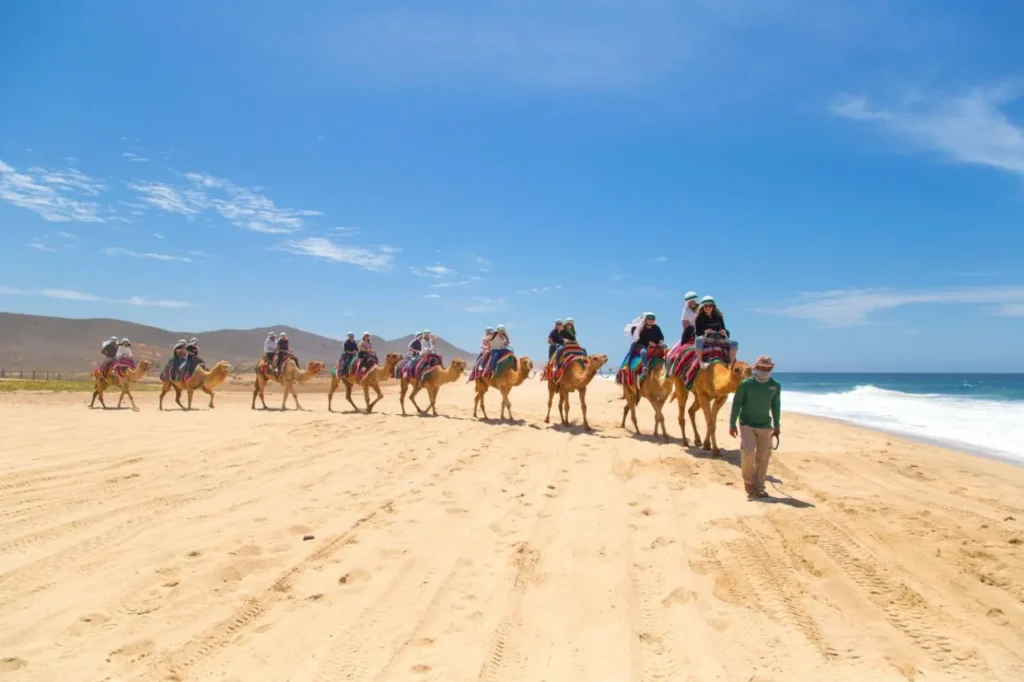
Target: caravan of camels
x=703, y=363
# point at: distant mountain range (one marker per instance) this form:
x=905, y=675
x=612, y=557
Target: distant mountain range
x=58, y=344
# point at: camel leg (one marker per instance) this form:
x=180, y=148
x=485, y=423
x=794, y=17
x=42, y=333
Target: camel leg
x=98, y=393
x=582, y=390
x=164, y=390
x=366, y=398
x=682, y=395
x=380, y=396
x=551, y=396
x=659, y=419
x=563, y=407
x=258, y=391
x=189, y=393
x=478, y=399
x=412, y=398
x=284, y=400
x=713, y=422
x=120, y=398
x=348, y=396
x=506, y=404
x=209, y=393
x=432, y=394
x=126, y=391
x=693, y=419
x=330, y=392
x=633, y=400
x=402, y=388
x=705, y=405
x=295, y=397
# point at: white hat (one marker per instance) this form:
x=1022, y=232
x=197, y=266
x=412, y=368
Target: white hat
x=491, y=329
x=426, y=331
x=366, y=333
x=272, y=334
x=283, y=335
x=125, y=340
x=569, y=320
x=690, y=296
x=707, y=299
x=193, y=340
x=351, y=334
x=501, y=327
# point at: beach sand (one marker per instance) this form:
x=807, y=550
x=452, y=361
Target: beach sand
x=268, y=546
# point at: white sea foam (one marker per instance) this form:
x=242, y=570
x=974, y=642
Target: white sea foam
x=990, y=426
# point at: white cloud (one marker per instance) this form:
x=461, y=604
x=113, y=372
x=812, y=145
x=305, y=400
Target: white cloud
x=114, y=252
x=448, y=285
x=41, y=247
x=1011, y=310
x=660, y=259
x=436, y=271
x=319, y=247
x=482, y=264
x=484, y=304
x=345, y=231
x=852, y=307
x=11, y=291
x=539, y=290
x=68, y=235
x=969, y=128
x=134, y=157
x=164, y=197
x=73, y=295
x=51, y=193
x=432, y=296
x=157, y=235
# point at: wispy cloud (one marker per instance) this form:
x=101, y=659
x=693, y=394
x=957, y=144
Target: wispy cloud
x=970, y=128
x=449, y=285
x=539, y=290
x=484, y=304
x=84, y=297
x=134, y=157
x=1011, y=310
x=482, y=264
x=379, y=260
x=41, y=247
x=660, y=259
x=245, y=207
x=56, y=195
x=157, y=235
x=114, y=252
x=345, y=231
x=432, y=296
x=437, y=271
x=852, y=307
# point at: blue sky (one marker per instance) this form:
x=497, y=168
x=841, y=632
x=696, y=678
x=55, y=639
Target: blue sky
x=844, y=177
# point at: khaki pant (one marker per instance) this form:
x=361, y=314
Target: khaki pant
x=755, y=451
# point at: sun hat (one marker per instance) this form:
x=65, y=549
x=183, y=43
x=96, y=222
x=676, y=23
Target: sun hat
x=764, y=363
x=690, y=296
x=707, y=299
x=501, y=328
x=569, y=320
x=351, y=334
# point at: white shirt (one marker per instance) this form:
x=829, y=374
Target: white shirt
x=499, y=342
x=270, y=346
x=426, y=345
x=124, y=352
x=689, y=317
x=485, y=344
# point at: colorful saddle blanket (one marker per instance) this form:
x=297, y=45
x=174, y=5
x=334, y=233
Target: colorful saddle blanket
x=565, y=356
x=120, y=367
x=265, y=369
x=635, y=365
x=414, y=368
x=681, y=361
x=505, y=358
x=185, y=367
x=360, y=367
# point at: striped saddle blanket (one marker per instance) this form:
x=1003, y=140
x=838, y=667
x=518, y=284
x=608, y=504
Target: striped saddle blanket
x=681, y=361
x=565, y=356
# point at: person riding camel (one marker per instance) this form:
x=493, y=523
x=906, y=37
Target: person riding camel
x=709, y=326
x=283, y=352
x=568, y=332
x=499, y=342
x=175, y=364
x=649, y=337
x=485, y=342
x=427, y=343
x=192, y=351
x=348, y=353
x=365, y=351
x=124, y=354
x=554, y=339
x=416, y=345
x=689, y=316
x=270, y=349
x=109, y=351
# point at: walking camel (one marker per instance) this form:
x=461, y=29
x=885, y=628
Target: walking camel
x=201, y=379
x=123, y=381
x=507, y=376
x=289, y=376
x=432, y=380
x=656, y=386
x=370, y=380
x=576, y=376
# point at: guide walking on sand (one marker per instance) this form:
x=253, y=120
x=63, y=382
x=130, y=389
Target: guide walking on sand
x=757, y=406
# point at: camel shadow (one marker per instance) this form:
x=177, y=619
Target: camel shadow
x=730, y=456
x=649, y=438
x=578, y=430
x=497, y=421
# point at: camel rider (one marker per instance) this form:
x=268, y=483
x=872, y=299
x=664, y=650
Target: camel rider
x=690, y=308
x=499, y=342
x=283, y=351
x=124, y=353
x=649, y=336
x=554, y=339
x=348, y=352
x=177, y=358
x=270, y=349
x=109, y=351
x=632, y=330
x=427, y=343
x=709, y=326
x=416, y=345
x=192, y=359
x=365, y=350
x=485, y=342
x=568, y=332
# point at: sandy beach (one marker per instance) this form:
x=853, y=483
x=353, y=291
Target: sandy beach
x=239, y=546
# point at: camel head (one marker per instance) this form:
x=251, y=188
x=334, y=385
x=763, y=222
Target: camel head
x=457, y=365
x=525, y=365
x=314, y=367
x=144, y=365
x=391, y=361
x=738, y=372
x=596, y=361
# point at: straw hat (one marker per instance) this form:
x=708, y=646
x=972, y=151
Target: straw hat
x=764, y=363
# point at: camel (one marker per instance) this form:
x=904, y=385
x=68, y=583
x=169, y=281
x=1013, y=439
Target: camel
x=711, y=388
x=201, y=379
x=575, y=378
x=102, y=383
x=432, y=380
x=371, y=380
x=289, y=376
x=657, y=388
x=507, y=378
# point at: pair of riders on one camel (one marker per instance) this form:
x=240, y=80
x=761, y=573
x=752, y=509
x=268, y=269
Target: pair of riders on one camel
x=563, y=333
x=703, y=325
x=492, y=345
x=184, y=359
x=276, y=350
x=116, y=352
x=422, y=344
x=355, y=354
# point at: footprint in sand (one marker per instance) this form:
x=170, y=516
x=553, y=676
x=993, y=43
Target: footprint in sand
x=9, y=664
x=132, y=652
x=354, y=577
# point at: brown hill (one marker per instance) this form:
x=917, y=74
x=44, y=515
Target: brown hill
x=58, y=344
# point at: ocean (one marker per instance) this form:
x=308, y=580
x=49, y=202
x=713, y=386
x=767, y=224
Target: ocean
x=981, y=413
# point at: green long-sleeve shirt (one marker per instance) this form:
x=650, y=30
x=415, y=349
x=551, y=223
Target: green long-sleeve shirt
x=757, y=404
